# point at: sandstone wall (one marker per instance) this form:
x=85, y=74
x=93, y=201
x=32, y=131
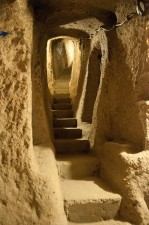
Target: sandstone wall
x=28, y=192
x=50, y=71
x=118, y=109
x=29, y=186
x=124, y=83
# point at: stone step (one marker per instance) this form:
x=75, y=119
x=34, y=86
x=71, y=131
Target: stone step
x=63, y=97
x=66, y=146
x=65, y=122
x=77, y=166
x=67, y=133
x=89, y=200
x=108, y=222
x=62, y=106
x=62, y=113
x=61, y=100
x=62, y=84
x=61, y=91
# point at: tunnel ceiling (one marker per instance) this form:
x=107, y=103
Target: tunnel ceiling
x=103, y=4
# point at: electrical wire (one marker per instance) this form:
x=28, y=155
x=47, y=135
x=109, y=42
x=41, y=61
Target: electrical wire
x=103, y=27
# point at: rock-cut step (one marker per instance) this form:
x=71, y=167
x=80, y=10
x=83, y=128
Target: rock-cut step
x=89, y=200
x=65, y=122
x=65, y=98
x=61, y=84
x=58, y=91
x=77, y=166
x=62, y=113
x=109, y=222
x=62, y=106
x=67, y=133
x=66, y=146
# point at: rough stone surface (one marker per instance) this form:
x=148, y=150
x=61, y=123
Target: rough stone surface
x=106, y=104
x=109, y=222
x=77, y=166
x=117, y=112
x=128, y=173
x=21, y=182
x=89, y=200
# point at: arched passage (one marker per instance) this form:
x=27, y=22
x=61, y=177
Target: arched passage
x=60, y=60
x=68, y=27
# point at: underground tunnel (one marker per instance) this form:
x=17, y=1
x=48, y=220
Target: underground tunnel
x=74, y=122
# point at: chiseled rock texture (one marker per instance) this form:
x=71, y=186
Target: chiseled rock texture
x=109, y=79
x=117, y=110
x=27, y=195
x=128, y=172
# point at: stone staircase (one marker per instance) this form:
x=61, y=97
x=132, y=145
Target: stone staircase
x=87, y=198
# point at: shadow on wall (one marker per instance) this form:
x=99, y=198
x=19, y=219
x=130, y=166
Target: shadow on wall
x=92, y=86
x=142, y=84
x=84, y=50
x=41, y=119
x=117, y=113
